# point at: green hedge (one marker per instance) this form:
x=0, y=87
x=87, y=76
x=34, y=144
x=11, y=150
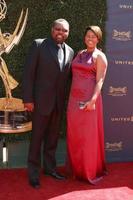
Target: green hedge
x=79, y=13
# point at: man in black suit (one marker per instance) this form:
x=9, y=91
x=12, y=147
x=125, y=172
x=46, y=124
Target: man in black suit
x=45, y=77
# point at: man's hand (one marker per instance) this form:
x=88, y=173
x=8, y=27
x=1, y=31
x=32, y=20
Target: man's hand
x=29, y=106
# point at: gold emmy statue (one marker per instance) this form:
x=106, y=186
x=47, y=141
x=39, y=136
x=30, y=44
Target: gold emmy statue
x=13, y=117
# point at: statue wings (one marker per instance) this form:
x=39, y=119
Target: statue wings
x=7, y=40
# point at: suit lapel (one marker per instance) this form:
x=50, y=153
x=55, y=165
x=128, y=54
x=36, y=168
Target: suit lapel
x=66, y=54
x=52, y=49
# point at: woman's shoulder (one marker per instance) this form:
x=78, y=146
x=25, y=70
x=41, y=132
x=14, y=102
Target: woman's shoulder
x=98, y=53
x=81, y=52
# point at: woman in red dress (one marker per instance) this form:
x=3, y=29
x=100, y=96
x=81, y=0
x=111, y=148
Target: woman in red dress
x=85, y=133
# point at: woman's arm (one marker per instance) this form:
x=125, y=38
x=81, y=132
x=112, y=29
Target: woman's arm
x=101, y=68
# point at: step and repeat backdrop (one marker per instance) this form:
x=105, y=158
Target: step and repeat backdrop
x=118, y=86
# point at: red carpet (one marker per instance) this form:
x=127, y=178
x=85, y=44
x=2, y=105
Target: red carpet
x=117, y=185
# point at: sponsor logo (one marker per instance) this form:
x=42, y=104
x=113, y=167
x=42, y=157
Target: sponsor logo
x=121, y=35
x=117, y=91
x=116, y=146
x=122, y=119
x=124, y=6
x=123, y=62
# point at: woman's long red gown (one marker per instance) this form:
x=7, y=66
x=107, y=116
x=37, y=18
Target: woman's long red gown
x=85, y=134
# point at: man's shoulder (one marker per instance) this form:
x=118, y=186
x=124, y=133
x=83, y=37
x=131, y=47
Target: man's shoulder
x=39, y=41
x=70, y=48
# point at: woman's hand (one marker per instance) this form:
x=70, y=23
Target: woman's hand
x=89, y=106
